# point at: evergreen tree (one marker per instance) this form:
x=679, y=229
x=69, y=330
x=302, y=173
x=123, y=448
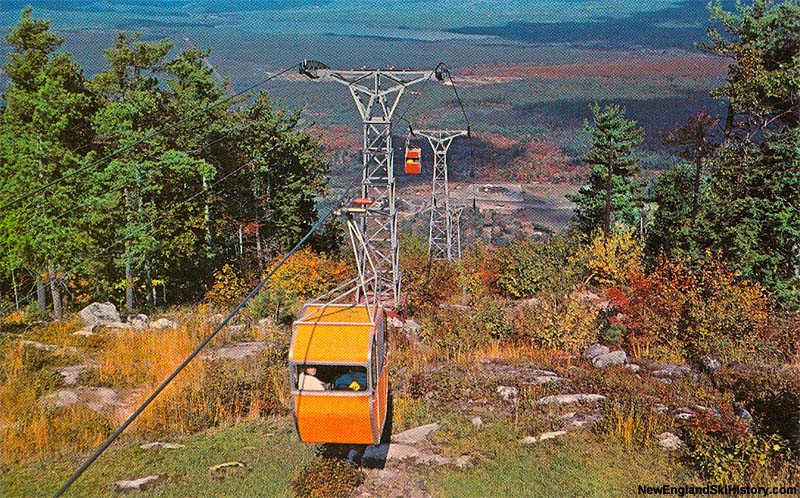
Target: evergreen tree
x=46, y=132
x=763, y=41
x=610, y=196
x=273, y=202
x=680, y=192
x=752, y=214
x=133, y=108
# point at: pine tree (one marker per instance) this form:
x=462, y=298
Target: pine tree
x=752, y=213
x=610, y=196
x=45, y=133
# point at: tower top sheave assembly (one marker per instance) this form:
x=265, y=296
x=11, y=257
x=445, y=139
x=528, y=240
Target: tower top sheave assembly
x=376, y=93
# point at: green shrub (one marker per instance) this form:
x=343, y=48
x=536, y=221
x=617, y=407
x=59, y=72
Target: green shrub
x=327, y=478
x=724, y=449
x=557, y=321
x=612, y=334
x=771, y=395
x=453, y=332
x=490, y=319
x=529, y=267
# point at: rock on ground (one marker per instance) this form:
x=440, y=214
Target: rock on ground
x=671, y=371
x=226, y=465
x=163, y=323
x=567, y=399
x=477, y=422
x=59, y=399
x=507, y=392
x=162, y=445
x=417, y=434
x=710, y=364
x=72, y=373
x=596, y=350
x=136, y=484
x=544, y=379
x=39, y=345
x=87, y=330
x=669, y=441
x=100, y=314
x=613, y=358
x=374, y=455
x=542, y=437
x=138, y=322
x=237, y=350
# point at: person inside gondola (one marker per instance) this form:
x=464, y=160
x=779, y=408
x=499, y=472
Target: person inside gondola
x=355, y=380
x=308, y=381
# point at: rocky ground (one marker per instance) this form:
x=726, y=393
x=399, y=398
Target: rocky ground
x=551, y=398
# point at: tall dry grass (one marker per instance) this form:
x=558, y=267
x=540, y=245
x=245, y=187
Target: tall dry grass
x=206, y=393
x=29, y=429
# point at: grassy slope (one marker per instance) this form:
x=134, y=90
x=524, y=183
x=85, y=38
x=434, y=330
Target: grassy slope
x=576, y=465
x=271, y=460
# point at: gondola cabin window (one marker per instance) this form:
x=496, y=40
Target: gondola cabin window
x=312, y=377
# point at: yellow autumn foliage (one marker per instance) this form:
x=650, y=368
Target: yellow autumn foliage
x=617, y=259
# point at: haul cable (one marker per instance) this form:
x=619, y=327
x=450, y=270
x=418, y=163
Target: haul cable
x=203, y=344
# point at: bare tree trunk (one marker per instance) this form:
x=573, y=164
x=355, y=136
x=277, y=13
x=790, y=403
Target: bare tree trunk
x=56, y=293
x=207, y=216
x=241, y=241
x=609, y=186
x=41, y=295
x=129, y=285
x=259, y=244
x=259, y=251
x=16, y=291
x=148, y=284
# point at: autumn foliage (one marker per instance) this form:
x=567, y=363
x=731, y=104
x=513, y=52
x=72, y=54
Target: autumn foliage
x=700, y=312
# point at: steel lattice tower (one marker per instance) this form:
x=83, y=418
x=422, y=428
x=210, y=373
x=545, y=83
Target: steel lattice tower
x=440, y=233
x=376, y=93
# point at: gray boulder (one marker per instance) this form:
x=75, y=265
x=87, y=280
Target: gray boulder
x=596, y=350
x=87, y=330
x=542, y=437
x=138, y=322
x=163, y=445
x=72, y=373
x=417, y=434
x=163, y=323
x=669, y=441
x=100, y=314
x=710, y=364
x=568, y=399
x=136, y=484
x=671, y=371
x=59, y=399
x=477, y=422
x=608, y=359
x=507, y=392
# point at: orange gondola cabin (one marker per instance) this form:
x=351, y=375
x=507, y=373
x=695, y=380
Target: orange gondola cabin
x=339, y=376
x=413, y=164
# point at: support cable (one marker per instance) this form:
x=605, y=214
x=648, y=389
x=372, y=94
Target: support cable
x=436, y=71
x=203, y=344
x=147, y=137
